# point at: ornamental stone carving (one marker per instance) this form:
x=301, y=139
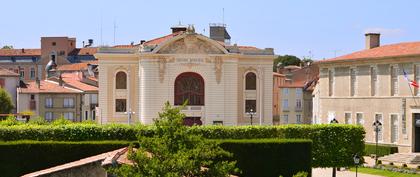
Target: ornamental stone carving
x=218, y=62
x=190, y=44
x=162, y=68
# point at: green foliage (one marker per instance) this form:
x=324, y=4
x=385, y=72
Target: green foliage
x=38, y=121
x=7, y=47
x=286, y=60
x=173, y=152
x=270, y=157
x=333, y=145
x=21, y=157
x=6, y=104
x=382, y=149
x=301, y=174
x=61, y=121
x=9, y=121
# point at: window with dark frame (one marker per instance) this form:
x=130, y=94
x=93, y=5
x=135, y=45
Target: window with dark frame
x=189, y=86
x=121, y=80
x=250, y=104
x=53, y=43
x=120, y=105
x=251, y=81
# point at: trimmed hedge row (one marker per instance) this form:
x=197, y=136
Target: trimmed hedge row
x=333, y=145
x=383, y=150
x=270, y=157
x=21, y=157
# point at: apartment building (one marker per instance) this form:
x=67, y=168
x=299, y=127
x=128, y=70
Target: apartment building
x=30, y=63
x=296, y=94
x=369, y=85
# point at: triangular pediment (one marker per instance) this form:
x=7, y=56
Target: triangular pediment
x=191, y=44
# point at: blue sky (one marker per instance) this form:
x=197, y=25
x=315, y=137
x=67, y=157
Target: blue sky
x=321, y=29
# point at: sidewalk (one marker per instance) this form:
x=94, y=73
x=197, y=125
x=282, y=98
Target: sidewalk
x=327, y=172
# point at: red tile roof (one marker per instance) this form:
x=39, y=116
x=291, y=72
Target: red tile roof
x=77, y=163
x=74, y=80
x=46, y=87
x=20, y=52
x=84, y=51
x=300, y=77
x=6, y=72
x=160, y=40
x=392, y=50
x=76, y=66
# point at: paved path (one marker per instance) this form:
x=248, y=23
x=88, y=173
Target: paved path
x=327, y=172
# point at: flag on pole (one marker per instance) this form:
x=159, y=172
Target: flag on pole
x=411, y=82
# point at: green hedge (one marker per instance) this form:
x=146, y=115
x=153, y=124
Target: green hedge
x=21, y=157
x=270, y=157
x=382, y=149
x=333, y=145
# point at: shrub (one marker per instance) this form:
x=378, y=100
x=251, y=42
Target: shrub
x=333, y=145
x=301, y=174
x=270, y=157
x=38, y=121
x=61, y=121
x=382, y=149
x=9, y=121
x=22, y=157
x=6, y=103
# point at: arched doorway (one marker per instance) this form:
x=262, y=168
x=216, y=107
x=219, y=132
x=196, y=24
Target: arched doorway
x=189, y=86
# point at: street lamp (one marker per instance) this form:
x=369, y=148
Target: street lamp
x=356, y=160
x=251, y=113
x=377, y=125
x=129, y=115
x=334, y=121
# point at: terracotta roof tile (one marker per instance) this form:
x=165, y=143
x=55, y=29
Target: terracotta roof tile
x=77, y=163
x=162, y=39
x=20, y=52
x=392, y=50
x=46, y=87
x=84, y=51
x=74, y=80
x=76, y=66
x=300, y=77
x=6, y=72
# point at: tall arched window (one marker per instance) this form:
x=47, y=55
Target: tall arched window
x=250, y=81
x=189, y=86
x=121, y=80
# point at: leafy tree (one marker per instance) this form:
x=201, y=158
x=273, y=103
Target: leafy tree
x=286, y=60
x=7, y=47
x=6, y=104
x=172, y=151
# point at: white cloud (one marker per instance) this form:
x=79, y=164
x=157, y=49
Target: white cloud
x=386, y=31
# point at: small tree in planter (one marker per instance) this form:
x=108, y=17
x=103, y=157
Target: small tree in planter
x=172, y=151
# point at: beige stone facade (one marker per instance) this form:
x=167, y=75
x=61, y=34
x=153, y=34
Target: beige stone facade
x=153, y=70
x=360, y=91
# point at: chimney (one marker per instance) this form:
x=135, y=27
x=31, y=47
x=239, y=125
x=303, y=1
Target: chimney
x=372, y=40
x=178, y=28
x=38, y=83
x=60, y=80
x=23, y=50
x=142, y=41
x=218, y=32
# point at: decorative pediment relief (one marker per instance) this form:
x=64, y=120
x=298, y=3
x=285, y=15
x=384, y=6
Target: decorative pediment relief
x=190, y=44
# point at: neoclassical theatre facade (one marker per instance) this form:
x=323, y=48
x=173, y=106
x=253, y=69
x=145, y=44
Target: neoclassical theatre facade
x=221, y=82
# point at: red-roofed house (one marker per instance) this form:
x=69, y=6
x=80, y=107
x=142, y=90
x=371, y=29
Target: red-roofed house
x=295, y=90
x=69, y=96
x=374, y=85
x=31, y=63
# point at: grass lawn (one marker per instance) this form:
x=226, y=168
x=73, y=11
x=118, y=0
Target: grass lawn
x=382, y=172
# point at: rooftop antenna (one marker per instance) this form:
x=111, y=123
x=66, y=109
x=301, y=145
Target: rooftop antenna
x=101, y=30
x=223, y=16
x=115, y=28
